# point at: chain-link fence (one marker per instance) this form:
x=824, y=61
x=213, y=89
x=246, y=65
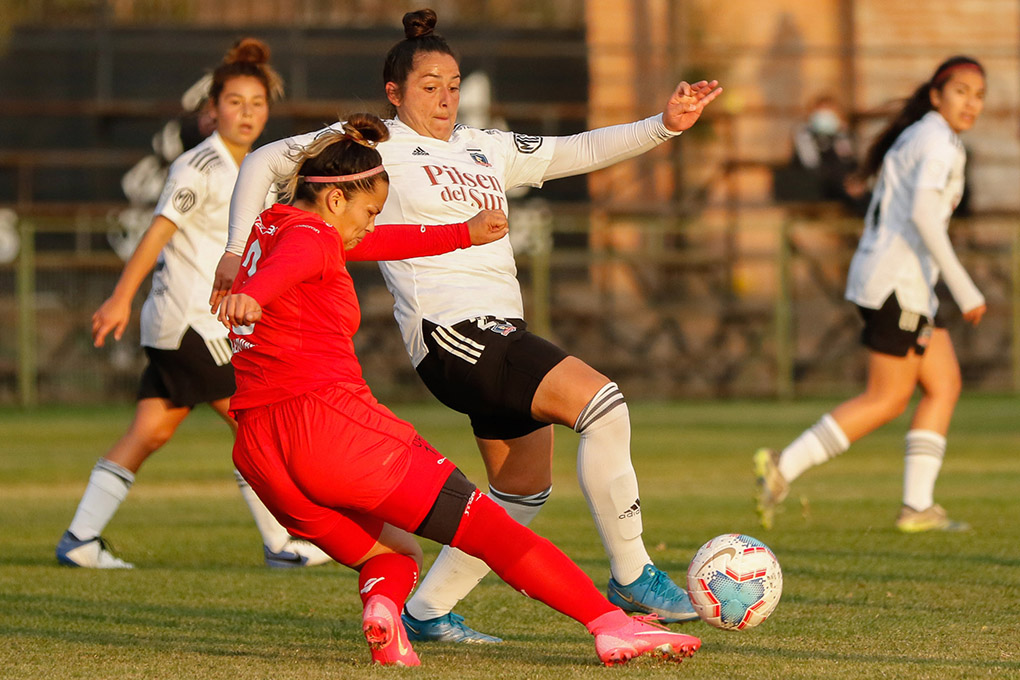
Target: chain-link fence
x=707, y=314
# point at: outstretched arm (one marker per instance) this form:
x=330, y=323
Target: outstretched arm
x=403, y=241
x=596, y=149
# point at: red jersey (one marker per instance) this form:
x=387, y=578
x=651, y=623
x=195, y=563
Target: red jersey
x=294, y=266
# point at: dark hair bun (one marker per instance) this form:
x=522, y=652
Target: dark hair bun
x=248, y=50
x=419, y=24
x=370, y=127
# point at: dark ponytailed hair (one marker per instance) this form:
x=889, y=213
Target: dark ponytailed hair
x=420, y=37
x=248, y=57
x=913, y=110
x=340, y=153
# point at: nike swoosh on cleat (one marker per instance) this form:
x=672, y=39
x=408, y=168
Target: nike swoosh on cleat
x=623, y=597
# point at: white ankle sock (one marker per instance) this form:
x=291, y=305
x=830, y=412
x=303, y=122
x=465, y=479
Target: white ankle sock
x=925, y=450
x=609, y=483
x=107, y=488
x=454, y=574
x=821, y=442
x=274, y=535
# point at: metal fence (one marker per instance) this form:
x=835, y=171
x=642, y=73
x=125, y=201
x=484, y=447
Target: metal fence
x=752, y=308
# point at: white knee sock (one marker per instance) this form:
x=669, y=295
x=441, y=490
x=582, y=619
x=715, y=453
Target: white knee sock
x=608, y=481
x=274, y=535
x=454, y=574
x=107, y=488
x=821, y=442
x=921, y=464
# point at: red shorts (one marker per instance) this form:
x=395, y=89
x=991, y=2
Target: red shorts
x=334, y=464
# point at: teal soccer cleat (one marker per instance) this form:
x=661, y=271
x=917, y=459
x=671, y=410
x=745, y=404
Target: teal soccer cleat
x=653, y=593
x=447, y=628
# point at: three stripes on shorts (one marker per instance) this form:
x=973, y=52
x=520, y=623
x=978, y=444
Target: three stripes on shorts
x=458, y=344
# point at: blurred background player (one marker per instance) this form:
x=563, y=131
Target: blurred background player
x=337, y=467
x=461, y=316
x=188, y=350
x=920, y=162
x=143, y=183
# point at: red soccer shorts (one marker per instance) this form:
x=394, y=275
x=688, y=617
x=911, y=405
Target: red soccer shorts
x=333, y=465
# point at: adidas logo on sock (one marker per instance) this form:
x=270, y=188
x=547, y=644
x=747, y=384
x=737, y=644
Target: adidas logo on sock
x=633, y=511
x=418, y=151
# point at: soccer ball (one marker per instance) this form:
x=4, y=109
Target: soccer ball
x=734, y=582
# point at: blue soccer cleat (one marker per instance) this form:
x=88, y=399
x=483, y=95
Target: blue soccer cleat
x=653, y=593
x=447, y=628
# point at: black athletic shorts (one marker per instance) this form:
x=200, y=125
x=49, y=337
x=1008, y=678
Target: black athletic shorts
x=891, y=330
x=488, y=368
x=188, y=375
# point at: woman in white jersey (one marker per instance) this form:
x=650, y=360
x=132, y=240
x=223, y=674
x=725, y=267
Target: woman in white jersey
x=462, y=316
x=187, y=348
x=904, y=248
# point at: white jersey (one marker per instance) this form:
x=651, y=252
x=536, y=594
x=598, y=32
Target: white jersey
x=895, y=253
x=441, y=182
x=196, y=198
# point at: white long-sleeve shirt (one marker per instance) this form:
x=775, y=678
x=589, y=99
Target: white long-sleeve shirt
x=905, y=245
x=435, y=181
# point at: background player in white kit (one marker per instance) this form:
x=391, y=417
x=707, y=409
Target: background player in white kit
x=461, y=316
x=187, y=348
x=892, y=279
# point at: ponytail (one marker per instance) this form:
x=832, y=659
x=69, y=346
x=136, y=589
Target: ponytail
x=346, y=160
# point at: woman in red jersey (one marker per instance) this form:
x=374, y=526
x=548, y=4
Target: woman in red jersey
x=334, y=465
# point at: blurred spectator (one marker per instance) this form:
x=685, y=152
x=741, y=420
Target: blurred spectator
x=823, y=161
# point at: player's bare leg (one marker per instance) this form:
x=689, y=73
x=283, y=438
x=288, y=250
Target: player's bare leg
x=82, y=545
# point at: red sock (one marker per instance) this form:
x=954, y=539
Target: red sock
x=528, y=562
x=390, y=575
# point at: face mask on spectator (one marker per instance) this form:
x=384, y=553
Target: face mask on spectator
x=824, y=122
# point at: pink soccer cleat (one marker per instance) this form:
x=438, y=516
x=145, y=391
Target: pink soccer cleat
x=385, y=634
x=642, y=635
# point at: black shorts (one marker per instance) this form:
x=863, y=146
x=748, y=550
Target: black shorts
x=891, y=330
x=188, y=375
x=489, y=369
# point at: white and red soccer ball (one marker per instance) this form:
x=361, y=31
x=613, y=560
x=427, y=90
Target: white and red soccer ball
x=734, y=582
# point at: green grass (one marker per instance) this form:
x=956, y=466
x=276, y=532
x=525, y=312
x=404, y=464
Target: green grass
x=860, y=600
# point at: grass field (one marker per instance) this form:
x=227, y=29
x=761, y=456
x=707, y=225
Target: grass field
x=860, y=600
